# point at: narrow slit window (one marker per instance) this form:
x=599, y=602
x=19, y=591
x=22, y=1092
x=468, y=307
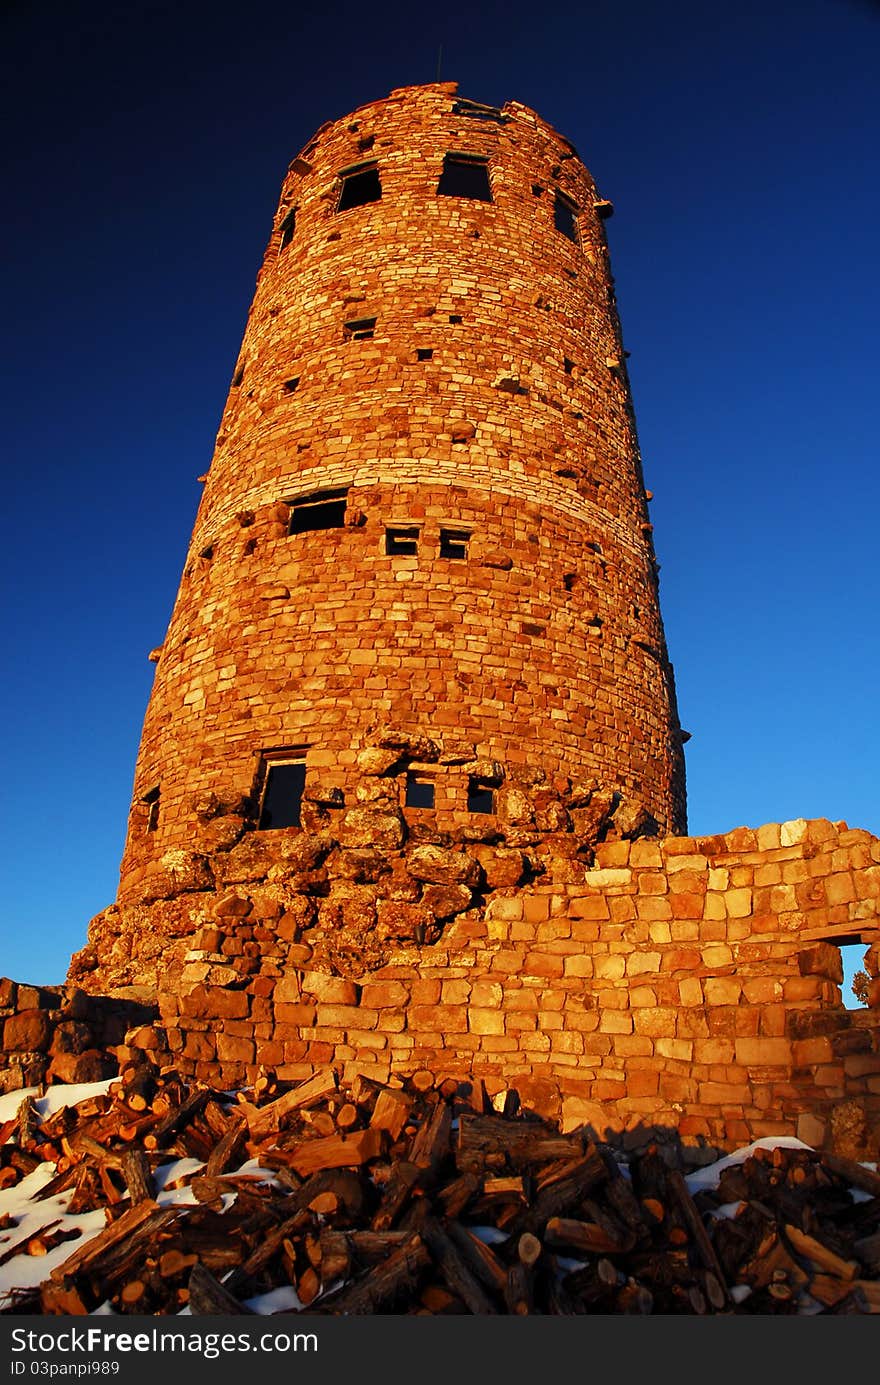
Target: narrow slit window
x=360, y=329
x=480, y=797
x=402, y=540
x=419, y=792
x=283, y=789
x=565, y=217
x=465, y=175
x=453, y=543
x=151, y=802
x=359, y=186
x=288, y=227
x=323, y=510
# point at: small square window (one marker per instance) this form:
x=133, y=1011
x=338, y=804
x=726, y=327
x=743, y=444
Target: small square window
x=565, y=217
x=424, y=353
x=323, y=510
x=402, y=540
x=419, y=792
x=359, y=186
x=465, y=175
x=288, y=227
x=480, y=797
x=282, y=793
x=453, y=543
x=361, y=329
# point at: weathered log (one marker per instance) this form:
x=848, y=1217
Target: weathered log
x=395, y=1195
x=338, y=1151
x=208, y=1296
x=570, y=1188
x=386, y=1282
x=522, y=1143
x=176, y=1119
x=227, y=1147
x=852, y=1172
x=457, y=1194
x=138, y=1179
x=130, y=1221
x=263, y=1119
x=391, y=1111
x=430, y=1145
x=479, y=1257
x=519, y=1291
x=681, y=1193
x=819, y=1255
x=454, y=1269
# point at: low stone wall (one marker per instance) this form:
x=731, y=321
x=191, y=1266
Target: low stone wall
x=60, y=1034
x=683, y=985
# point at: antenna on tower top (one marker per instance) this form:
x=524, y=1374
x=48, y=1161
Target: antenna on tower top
x=439, y=60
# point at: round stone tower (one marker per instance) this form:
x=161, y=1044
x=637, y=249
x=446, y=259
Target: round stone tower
x=421, y=581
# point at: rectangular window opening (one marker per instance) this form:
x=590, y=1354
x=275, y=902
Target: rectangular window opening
x=361, y=329
x=568, y=365
x=455, y=317
x=291, y=384
x=855, y=978
x=402, y=540
x=424, y=353
x=323, y=510
x=419, y=792
x=453, y=543
x=151, y=800
x=480, y=797
x=283, y=787
x=465, y=175
x=288, y=227
x=359, y=186
x=565, y=216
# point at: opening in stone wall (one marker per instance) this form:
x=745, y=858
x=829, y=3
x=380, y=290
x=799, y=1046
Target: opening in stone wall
x=465, y=175
x=475, y=111
x=565, y=216
x=424, y=353
x=360, y=185
x=151, y=800
x=283, y=784
x=402, y=540
x=291, y=384
x=322, y=510
x=288, y=227
x=453, y=543
x=419, y=791
x=480, y=797
x=359, y=329
x=855, y=978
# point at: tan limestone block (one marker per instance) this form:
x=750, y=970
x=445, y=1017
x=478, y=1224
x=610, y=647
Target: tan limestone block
x=757, y=1053
x=690, y=991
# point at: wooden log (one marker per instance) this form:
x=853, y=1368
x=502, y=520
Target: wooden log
x=269, y=1246
x=176, y=1119
x=132, y=1293
x=396, y=1194
x=338, y=1151
x=820, y=1255
x=480, y=1258
x=264, y=1119
x=61, y=1301
x=586, y=1237
x=453, y=1268
x=431, y=1143
x=227, y=1147
x=519, y=1292
x=28, y=1121
x=681, y=1193
x=130, y=1221
x=868, y=1251
x=208, y=1296
x=456, y=1195
x=347, y=1116
x=520, y=1142
x=528, y=1249
x=391, y=1111
x=565, y=1192
x=387, y=1282
x=138, y=1177
x=854, y=1173
x=510, y=1106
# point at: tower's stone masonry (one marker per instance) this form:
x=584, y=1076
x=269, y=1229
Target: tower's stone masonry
x=411, y=774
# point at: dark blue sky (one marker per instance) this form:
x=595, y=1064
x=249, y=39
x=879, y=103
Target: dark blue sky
x=143, y=150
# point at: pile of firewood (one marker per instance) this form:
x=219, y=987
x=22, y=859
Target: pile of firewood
x=420, y=1198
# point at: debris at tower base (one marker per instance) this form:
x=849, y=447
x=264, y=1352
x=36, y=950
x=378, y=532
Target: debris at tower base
x=689, y=985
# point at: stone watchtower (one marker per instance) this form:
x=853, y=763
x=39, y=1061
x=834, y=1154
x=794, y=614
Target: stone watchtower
x=419, y=611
